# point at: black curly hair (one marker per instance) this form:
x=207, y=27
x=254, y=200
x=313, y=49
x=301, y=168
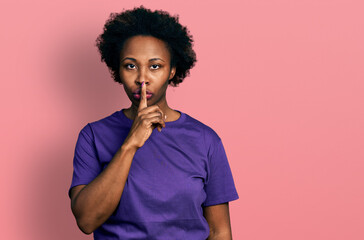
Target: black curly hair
x=141, y=21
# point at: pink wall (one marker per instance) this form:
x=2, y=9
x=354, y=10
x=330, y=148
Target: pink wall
x=281, y=82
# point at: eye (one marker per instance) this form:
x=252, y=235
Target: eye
x=130, y=66
x=155, y=66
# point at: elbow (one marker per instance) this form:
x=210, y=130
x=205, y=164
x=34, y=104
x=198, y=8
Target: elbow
x=85, y=222
x=85, y=226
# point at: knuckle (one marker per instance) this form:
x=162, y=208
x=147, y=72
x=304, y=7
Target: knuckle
x=146, y=122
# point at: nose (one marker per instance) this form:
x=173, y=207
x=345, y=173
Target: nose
x=142, y=77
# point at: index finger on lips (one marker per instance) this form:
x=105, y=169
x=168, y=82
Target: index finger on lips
x=143, y=97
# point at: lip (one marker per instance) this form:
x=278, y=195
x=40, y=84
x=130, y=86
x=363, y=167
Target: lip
x=137, y=95
x=139, y=90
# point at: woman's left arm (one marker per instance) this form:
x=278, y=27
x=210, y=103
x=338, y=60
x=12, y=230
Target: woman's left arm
x=218, y=218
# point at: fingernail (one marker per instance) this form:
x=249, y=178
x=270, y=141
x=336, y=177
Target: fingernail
x=142, y=83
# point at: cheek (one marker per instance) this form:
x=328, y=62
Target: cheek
x=126, y=81
x=161, y=75
x=126, y=88
x=126, y=77
x=122, y=73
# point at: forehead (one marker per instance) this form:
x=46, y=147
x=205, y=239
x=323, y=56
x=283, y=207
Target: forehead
x=145, y=47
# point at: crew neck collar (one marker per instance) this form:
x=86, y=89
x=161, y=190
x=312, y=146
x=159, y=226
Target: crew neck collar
x=179, y=120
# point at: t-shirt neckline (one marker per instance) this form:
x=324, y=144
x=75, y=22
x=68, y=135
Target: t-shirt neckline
x=175, y=122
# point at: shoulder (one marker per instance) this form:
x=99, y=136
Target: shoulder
x=112, y=119
x=210, y=135
x=102, y=124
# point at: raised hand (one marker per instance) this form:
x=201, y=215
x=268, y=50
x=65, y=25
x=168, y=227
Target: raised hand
x=145, y=121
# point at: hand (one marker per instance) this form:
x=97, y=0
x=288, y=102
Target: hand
x=145, y=121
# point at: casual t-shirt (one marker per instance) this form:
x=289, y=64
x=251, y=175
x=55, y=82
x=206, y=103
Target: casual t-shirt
x=172, y=177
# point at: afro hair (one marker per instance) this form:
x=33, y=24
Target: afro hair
x=141, y=21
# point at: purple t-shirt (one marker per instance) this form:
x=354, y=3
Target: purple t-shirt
x=172, y=177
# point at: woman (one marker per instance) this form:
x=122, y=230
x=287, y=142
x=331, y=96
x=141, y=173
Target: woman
x=150, y=172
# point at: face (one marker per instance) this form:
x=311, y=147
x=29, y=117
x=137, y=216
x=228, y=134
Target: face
x=145, y=58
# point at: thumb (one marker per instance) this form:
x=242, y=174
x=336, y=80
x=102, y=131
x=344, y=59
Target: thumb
x=143, y=97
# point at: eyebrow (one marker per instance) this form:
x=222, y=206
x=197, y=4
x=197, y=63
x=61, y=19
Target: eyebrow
x=133, y=59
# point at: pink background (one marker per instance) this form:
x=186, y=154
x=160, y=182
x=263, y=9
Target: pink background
x=280, y=81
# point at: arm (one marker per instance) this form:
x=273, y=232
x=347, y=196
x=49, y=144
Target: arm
x=218, y=218
x=93, y=204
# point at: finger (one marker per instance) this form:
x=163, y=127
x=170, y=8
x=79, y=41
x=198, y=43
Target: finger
x=143, y=97
x=160, y=125
x=151, y=115
x=154, y=121
x=164, y=116
x=150, y=109
x=162, y=122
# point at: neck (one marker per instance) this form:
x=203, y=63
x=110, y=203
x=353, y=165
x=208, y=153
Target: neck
x=171, y=114
x=133, y=109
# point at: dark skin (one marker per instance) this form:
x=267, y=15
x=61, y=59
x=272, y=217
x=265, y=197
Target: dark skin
x=144, y=68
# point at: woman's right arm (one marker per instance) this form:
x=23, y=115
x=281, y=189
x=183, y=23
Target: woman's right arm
x=93, y=204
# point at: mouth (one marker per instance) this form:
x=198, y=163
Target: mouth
x=137, y=95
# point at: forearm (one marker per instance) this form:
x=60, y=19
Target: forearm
x=220, y=236
x=218, y=218
x=95, y=203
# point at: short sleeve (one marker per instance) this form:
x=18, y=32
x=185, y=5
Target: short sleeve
x=219, y=186
x=86, y=165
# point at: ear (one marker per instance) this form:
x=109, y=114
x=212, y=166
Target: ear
x=172, y=73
